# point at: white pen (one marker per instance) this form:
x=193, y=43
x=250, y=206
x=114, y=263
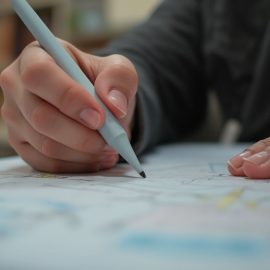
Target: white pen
x=111, y=131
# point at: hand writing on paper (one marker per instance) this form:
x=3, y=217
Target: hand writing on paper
x=52, y=121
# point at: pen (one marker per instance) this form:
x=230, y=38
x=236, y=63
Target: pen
x=111, y=131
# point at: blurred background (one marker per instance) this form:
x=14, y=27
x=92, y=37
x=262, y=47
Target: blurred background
x=88, y=24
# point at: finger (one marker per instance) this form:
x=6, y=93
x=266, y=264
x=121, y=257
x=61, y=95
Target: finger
x=50, y=122
x=257, y=166
x=49, y=148
x=44, y=78
x=116, y=84
x=9, y=82
x=259, y=146
x=53, y=149
x=235, y=171
x=236, y=164
x=43, y=163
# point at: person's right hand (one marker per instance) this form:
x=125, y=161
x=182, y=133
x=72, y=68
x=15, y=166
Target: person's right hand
x=52, y=121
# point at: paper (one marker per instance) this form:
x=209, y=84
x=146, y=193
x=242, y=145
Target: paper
x=189, y=213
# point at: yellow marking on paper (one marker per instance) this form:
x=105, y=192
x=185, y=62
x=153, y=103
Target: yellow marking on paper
x=45, y=175
x=230, y=198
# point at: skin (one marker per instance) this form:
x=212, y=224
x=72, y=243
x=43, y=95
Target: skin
x=52, y=121
x=253, y=162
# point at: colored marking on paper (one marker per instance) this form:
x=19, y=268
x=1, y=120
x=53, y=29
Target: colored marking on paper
x=230, y=198
x=45, y=175
x=19, y=215
x=195, y=245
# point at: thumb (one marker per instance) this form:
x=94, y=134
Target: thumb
x=114, y=77
x=116, y=84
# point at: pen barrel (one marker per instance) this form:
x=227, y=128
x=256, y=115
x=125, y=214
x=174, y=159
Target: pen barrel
x=111, y=129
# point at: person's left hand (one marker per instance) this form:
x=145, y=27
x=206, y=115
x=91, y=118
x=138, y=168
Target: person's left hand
x=254, y=162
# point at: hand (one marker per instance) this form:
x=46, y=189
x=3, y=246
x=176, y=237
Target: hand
x=52, y=121
x=254, y=162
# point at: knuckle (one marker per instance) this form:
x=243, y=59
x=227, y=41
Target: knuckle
x=31, y=73
x=120, y=59
x=8, y=114
x=123, y=62
x=31, y=45
x=123, y=67
x=124, y=70
x=6, y=78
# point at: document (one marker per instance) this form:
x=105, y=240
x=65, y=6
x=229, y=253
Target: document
x=189, y=213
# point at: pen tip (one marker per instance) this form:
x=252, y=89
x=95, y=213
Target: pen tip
x=142, y=174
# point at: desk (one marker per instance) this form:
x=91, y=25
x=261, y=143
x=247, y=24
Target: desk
x=188, y=214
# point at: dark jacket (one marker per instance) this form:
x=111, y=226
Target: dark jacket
x=187, y=47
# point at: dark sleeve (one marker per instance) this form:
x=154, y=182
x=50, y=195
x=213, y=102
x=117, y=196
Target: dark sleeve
x=166, y=51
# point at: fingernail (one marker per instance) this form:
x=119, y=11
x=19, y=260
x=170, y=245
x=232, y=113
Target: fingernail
x=91, y=118
x=258, y=158
x=236, y=171
x=237, y=161
x=231, y=165
x=119, y=100
x=245, y=154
